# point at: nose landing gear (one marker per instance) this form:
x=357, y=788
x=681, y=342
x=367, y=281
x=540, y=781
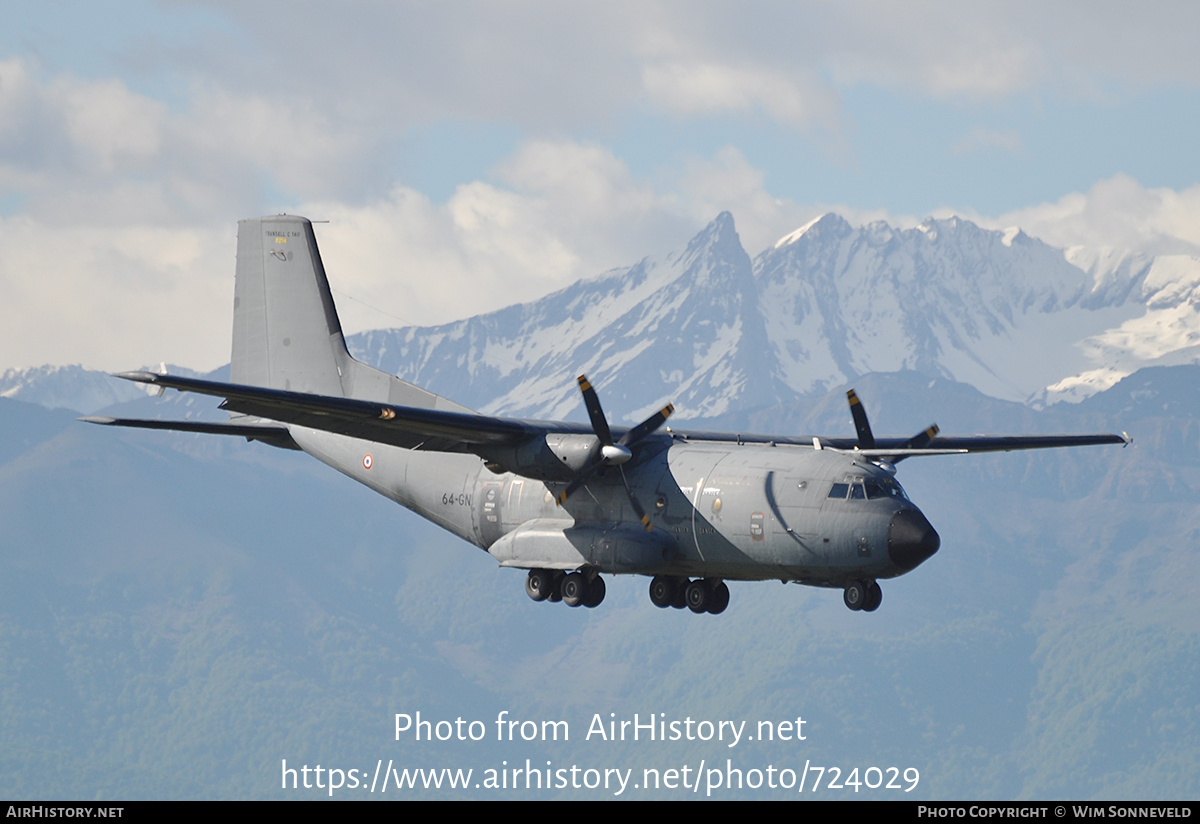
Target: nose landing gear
x=863, y=595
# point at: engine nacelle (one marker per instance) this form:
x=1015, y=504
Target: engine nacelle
x=573, y=451
x=556, y=457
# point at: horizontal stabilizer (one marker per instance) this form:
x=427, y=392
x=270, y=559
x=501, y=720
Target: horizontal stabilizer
x=272, y=434
x=268, y=433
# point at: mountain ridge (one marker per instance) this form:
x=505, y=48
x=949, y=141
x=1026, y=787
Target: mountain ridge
x=711, y=329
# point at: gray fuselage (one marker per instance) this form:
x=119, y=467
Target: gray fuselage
x=718, y=510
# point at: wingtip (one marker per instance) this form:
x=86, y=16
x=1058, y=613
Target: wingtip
x=138, y=376
x=100, y=419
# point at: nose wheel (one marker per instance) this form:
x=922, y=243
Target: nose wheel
x=863, y=595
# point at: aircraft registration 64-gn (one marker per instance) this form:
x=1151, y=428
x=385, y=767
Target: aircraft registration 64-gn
x=568, y=502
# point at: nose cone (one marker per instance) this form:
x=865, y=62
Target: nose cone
x=911, y=539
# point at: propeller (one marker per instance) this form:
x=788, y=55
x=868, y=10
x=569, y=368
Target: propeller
x=861, y=425
x=866, y=440
x=613, y=454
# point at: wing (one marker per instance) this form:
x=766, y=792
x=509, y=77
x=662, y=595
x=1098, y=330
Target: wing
x=904, y=448
x=492, y=438
x=411, y=428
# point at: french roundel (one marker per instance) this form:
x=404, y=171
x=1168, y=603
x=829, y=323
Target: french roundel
x=367, y=461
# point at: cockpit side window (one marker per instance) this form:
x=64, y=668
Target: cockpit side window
x=839, y=491
x=885, y=488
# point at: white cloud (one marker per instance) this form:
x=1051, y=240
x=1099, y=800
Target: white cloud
x=1117, y=212
x=706, y=88
x=114, y=298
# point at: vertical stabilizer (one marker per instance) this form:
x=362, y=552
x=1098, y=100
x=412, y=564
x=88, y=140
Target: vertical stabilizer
x=286, y=333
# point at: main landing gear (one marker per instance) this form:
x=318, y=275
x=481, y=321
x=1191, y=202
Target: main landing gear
x=864, y=595
x=701, y=595
x=574, y=589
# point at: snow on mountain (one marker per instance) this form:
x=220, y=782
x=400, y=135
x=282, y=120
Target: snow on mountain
x=708, y=329
x=714, y=332
x=76, y=388
x=685, y=328
x=998, y=310
x=67, y=387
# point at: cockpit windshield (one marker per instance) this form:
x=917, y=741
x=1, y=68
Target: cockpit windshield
x=857, y=489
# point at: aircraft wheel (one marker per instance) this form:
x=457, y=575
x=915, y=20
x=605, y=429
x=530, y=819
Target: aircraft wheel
x=595, y=592
x=680, y=600
x=539, y=583
x=555, y=587
x=719, y=599
x=663, y=590
x=574, y=589
x=855, y=595
x=697, y=596
x=874, y=597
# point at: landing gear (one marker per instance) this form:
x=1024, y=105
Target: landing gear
x=539, y=584
x=874, y=598
x=701, y=595
x=574, y=589
x=680, y=599
x=595, y=592
x=863, y=595
x=855, y=595
x=662, y=591
x=720, y=599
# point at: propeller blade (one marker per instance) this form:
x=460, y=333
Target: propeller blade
x=572, y=487
x=922, y=439
x=918, y=441
x=647, y=426
x=637, y=507
x=865, y=439
x=595, y=414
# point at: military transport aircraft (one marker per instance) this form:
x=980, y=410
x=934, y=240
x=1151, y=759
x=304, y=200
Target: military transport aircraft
x=568, y=502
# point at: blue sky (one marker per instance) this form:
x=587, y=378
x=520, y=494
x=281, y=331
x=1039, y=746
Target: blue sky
x=471, y=154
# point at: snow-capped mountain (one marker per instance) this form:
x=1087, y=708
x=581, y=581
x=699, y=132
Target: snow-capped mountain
x=685, y=328
x=75, y=388
x=713, y=331
x=66, y=387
